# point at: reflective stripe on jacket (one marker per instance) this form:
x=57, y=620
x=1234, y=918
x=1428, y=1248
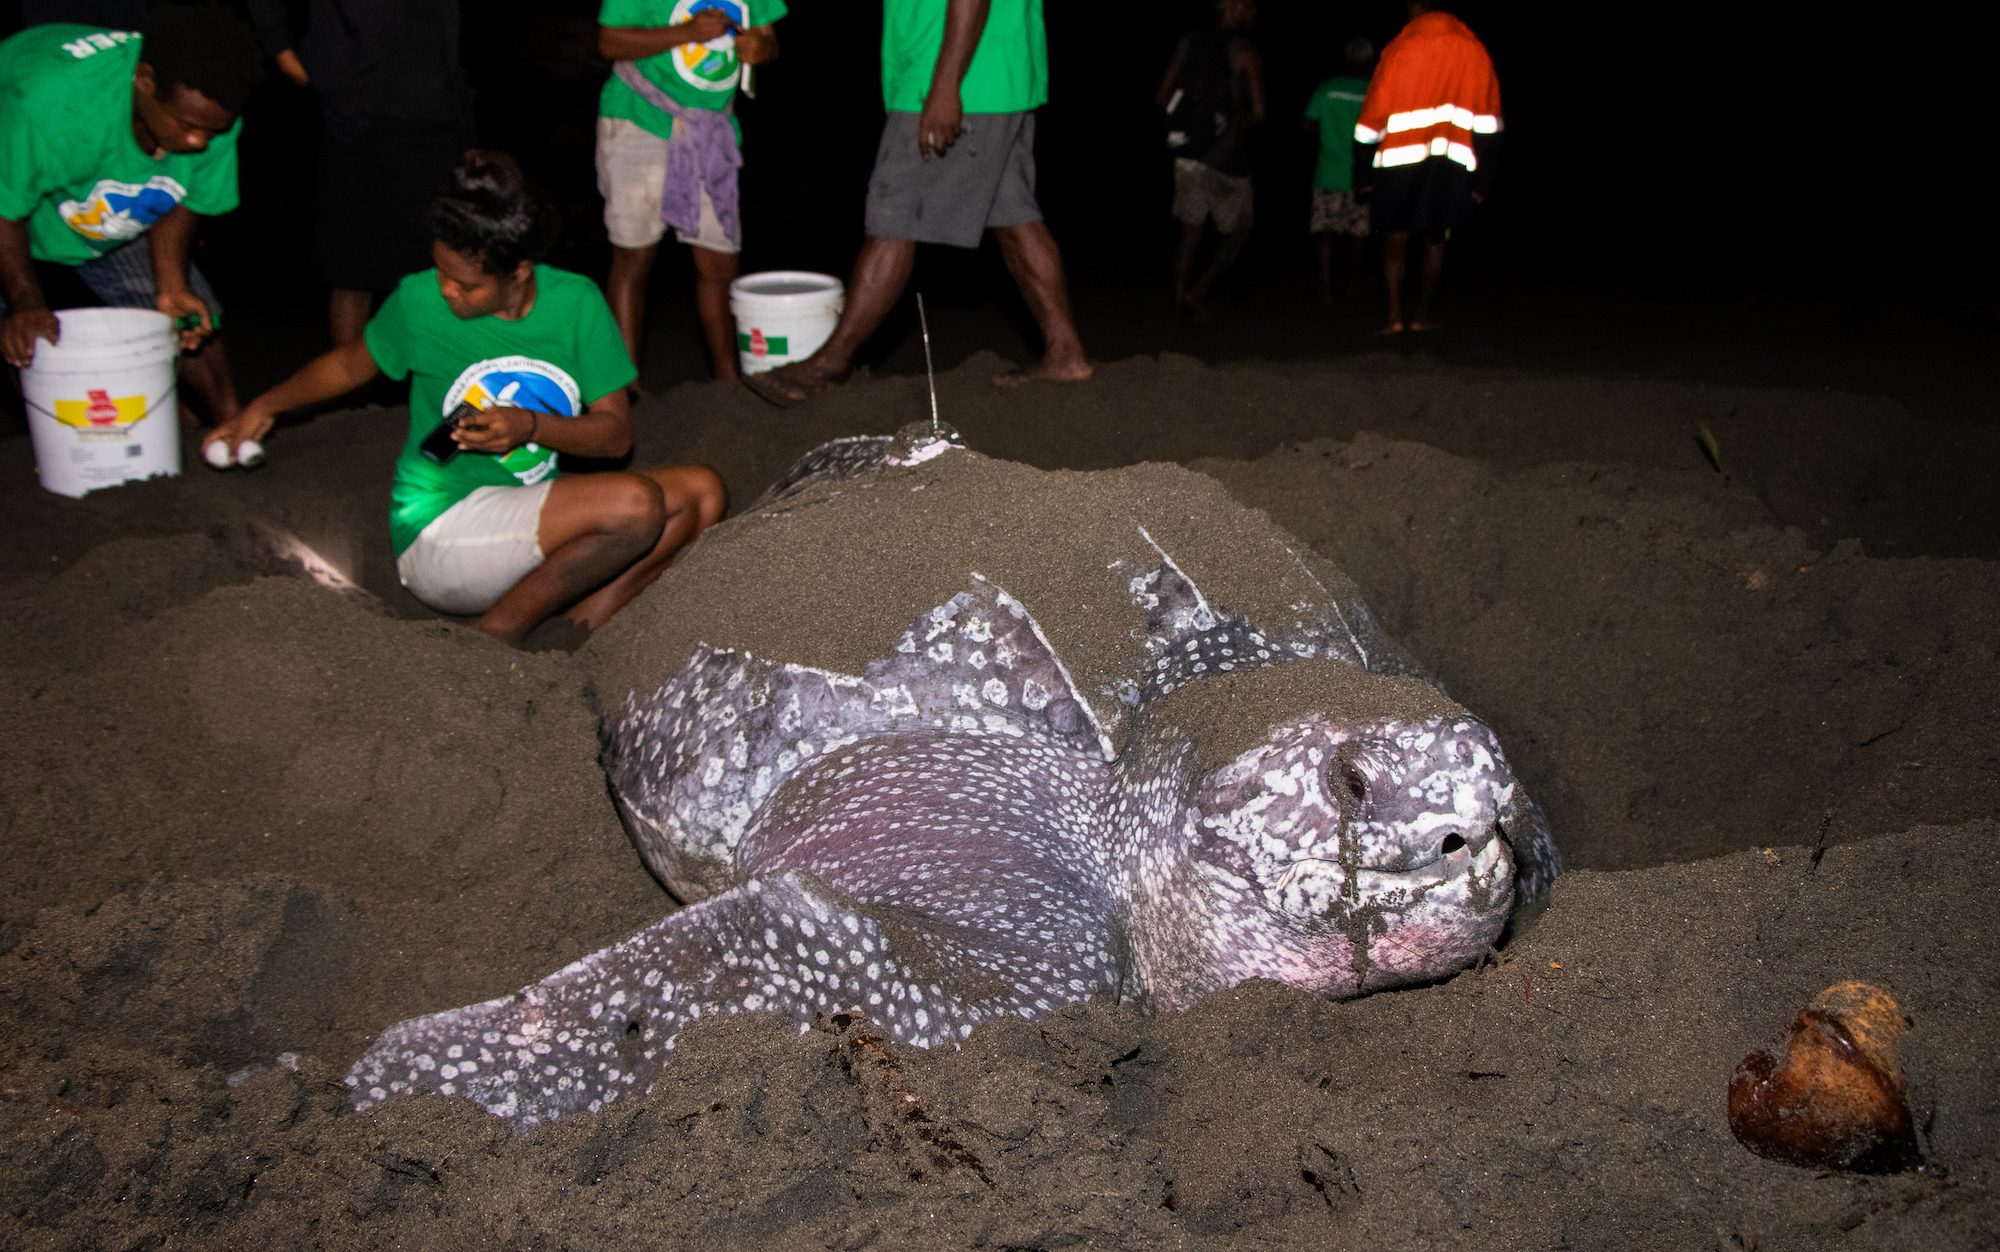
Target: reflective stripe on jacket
x=1433, y=91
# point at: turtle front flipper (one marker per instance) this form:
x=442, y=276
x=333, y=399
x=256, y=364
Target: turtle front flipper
x=599, y=1029
x=692, y=765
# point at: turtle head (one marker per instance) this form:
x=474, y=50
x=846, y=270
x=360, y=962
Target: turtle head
x=1360, y=856
x=1343, y=852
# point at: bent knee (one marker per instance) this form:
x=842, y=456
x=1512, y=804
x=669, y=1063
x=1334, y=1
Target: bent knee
x=629, y=504
x=697, y=488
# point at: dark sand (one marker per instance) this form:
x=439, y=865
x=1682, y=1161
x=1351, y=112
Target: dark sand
x=248, y=815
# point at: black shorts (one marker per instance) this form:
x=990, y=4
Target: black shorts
x=374, y=188
x=1430, y=197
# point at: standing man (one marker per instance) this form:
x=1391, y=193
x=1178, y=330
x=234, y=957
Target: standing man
x=112, y=145
x=1213, y=92
x=961, y=80
x=397, y=116
x=667, y=149
x=1424, y=149
x=1332, y=112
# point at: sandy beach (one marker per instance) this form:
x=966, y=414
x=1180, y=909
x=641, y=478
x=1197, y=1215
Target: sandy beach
x=255, y=818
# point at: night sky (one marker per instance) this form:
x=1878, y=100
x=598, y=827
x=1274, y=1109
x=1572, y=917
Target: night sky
x=1690, y=152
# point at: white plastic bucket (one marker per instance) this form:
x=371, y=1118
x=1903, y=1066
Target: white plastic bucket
x=101, y=404
x=782, y=316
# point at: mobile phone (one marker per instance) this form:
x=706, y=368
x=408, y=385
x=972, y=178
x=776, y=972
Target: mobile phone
x=438, y=445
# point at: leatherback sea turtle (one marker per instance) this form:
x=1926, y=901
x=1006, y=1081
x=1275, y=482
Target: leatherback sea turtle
x=974, y=825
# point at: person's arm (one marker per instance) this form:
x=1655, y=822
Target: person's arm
x=273, y=27
x=636, y=43
x=172, y=242
x=757, y=45
x=602, y=431
x=28, y=315
x=1166, y=91
x=324, y=377
x=943, y=118
x=1248, y=64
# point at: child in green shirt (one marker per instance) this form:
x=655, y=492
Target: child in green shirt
x=510, y=362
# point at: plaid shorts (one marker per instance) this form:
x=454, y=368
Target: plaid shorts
x=1338, y=213
x=1202, y=192
x=123, y=279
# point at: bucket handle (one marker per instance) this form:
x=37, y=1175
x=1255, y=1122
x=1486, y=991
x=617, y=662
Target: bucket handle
x=172, y=391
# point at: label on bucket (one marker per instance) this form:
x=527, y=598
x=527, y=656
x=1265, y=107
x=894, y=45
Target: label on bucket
x=757, y=343
x=100, y=411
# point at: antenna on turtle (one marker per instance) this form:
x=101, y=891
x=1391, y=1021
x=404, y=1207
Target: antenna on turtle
x=930, y=378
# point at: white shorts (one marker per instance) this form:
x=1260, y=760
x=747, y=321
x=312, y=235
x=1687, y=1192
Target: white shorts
x=631, y=170
x=475, y=551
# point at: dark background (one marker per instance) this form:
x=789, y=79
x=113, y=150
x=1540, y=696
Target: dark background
x=1683, y=185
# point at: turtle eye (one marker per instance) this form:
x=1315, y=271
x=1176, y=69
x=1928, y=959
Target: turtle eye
x=1346, y=774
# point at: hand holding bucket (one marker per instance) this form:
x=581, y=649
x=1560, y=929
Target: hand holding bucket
x=100, y=394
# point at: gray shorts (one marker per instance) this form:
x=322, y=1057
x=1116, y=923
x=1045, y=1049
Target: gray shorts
x=986, y=179
x=123, y=279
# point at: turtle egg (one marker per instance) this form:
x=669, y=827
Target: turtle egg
x=217, y=455
x=249, y=454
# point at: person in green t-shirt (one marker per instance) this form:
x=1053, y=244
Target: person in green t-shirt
x=667, y=150
x=1332, y=112
x=961, y=80
x=107, y=136
x=510, y=362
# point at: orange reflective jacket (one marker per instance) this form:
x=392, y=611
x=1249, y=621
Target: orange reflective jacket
x=1434, y=90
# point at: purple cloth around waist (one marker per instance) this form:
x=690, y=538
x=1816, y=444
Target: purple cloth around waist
x=701, y=152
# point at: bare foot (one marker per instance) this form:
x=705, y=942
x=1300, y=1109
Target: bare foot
x=1195, y=311
x=796, y=383
x=1392, y=328
x=1426, y=324
x=1044, y=372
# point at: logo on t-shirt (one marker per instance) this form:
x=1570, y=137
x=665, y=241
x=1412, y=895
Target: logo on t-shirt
x=710, y=66
x=114, y=212
x=519, y=382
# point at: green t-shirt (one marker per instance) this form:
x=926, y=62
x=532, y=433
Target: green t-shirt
x=1336, y=106
x=1009, y=71
x=69, y=165
x=696, y=75
x=564, y=354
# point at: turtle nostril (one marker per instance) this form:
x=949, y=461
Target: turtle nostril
x=1452, y=843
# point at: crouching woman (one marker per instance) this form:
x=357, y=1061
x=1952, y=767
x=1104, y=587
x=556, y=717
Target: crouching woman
x=510, y=362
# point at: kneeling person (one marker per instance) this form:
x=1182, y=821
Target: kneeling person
x=484, y=524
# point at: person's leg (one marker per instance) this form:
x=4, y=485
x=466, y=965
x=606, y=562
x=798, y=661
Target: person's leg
x=346, y=315
x=1233, y=207
x=1184, y=254
x=880, y=274
x=693, y=498
x=1395, y=268
x=206, y=372
x=1035, y=261
x=1430, y=273
x=1323, y=253
x=592, y=529
x=631, y=168
x=625, y=292
x=1225, y=253
x=713, y=272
